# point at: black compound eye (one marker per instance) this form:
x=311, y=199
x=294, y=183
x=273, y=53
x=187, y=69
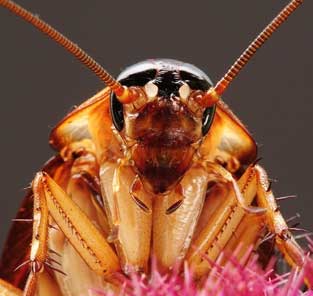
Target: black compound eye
x=207, y=119
x=117, y=112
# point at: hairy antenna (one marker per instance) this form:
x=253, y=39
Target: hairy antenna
x=215, y=92
x=123, y=94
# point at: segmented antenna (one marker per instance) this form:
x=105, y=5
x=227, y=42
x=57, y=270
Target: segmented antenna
x=214, y=93
x=74, y=49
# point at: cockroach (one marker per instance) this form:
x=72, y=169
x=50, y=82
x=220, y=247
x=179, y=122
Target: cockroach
x=153, y=165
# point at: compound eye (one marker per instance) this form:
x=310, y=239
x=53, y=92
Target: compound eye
x=207, y=119
x=184, y=91
x=151, y=89
x=117, y=112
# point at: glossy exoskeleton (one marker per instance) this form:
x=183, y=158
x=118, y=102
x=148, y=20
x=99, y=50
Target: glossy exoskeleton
x=154, y=165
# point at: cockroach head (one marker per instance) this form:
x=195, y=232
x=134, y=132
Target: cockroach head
x=164, y=83
x=164, y=124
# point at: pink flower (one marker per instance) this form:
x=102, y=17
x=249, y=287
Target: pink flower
x=232, y=279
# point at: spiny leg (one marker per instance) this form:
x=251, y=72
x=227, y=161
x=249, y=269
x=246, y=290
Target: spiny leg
x=285, y=241
x=50, y=199
x=83, y=188
x=218, y=225
x=245, y=239
x=220, y=228
x=39, y=251
x=78, y=228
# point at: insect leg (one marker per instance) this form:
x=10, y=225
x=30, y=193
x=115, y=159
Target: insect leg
x=173, y=230
x=7, y=289
x=82, y=185
x=245, y=239
x=39, y=250
x=223, y=176
x=219, y=222
x=285, y=241
x=77, y=227
x=129, y=210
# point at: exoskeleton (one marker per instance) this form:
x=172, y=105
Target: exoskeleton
x=154, y=165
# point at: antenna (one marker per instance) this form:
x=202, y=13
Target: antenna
x=214, y=93
x=124, y=94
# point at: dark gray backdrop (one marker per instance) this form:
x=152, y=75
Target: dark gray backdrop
x=40, y=82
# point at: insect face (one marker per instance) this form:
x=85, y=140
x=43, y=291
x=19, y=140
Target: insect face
x=164, y=125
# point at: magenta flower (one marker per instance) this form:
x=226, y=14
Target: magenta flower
x=232, y=279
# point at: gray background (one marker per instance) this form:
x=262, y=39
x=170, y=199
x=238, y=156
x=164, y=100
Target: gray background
x=40, y=82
